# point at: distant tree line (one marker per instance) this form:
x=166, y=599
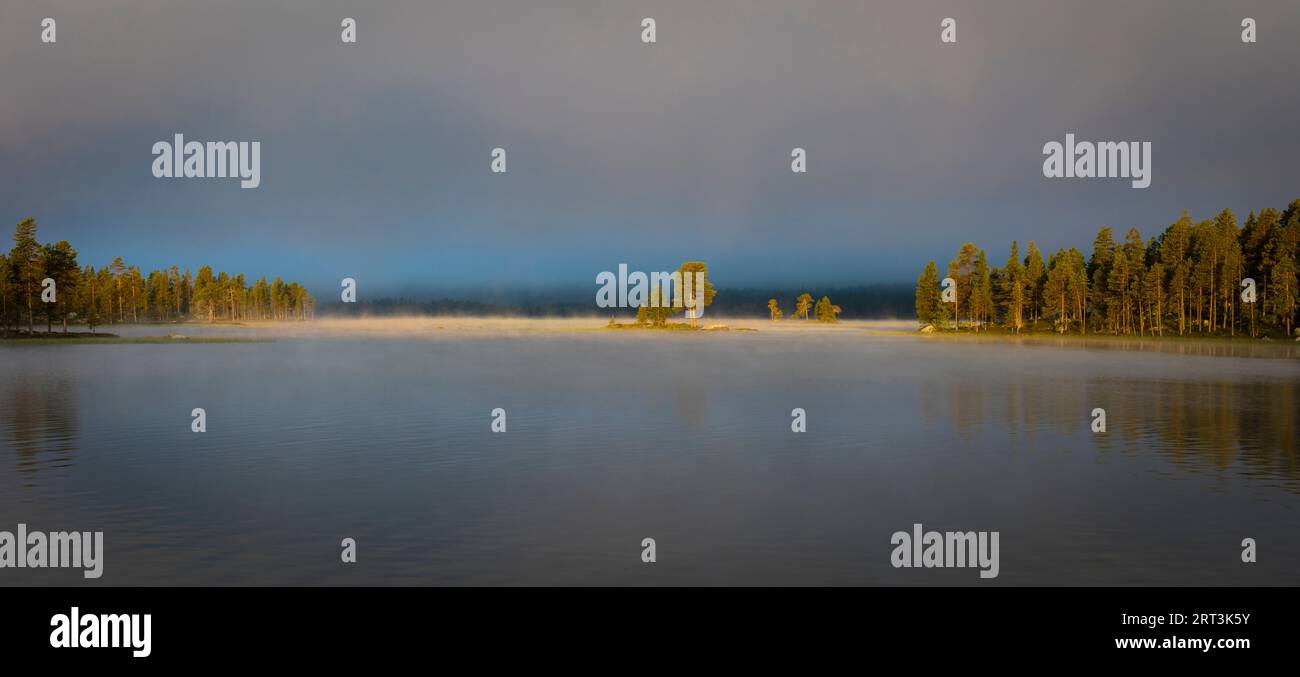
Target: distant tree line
x=1189, y=280
x=401, y=306
x=119, y=293
x=874, y=301
x=877, y=301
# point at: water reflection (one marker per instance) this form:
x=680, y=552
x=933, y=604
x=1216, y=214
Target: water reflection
x=1196, y=425
x=691, y=401
x=1191, y=346
x=40, y=422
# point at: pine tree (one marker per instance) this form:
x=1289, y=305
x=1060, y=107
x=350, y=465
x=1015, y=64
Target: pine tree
x=929, y=311
x=1104, y=304
x=1013, y=290
x=982, y=293
x=1117, y=291
x=1174, y=247
x=965, y=276
x=59, y=263
x=6, y=290
x=1283, y=277
x=26, y=268
x=1056, y=291
x=1035, y=282
x=1153, y=291
x=1229, y=265
x=1078, y=283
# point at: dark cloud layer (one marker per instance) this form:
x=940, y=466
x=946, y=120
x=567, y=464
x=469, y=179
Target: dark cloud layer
x=375, y=155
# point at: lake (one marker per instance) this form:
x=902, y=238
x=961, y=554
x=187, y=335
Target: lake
x=380, y=431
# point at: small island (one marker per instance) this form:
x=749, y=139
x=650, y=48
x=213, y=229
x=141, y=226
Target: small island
x=663, y=303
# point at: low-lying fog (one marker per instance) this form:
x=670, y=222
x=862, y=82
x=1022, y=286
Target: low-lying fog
x=382, y=430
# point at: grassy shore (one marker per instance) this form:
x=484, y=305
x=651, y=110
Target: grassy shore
x=670, y=326
x=673, y=326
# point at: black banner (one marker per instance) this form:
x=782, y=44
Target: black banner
x=348, y=626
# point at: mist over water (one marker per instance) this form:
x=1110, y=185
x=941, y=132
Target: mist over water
x=378, y=430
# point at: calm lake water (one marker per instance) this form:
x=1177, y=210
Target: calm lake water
x=384, y=437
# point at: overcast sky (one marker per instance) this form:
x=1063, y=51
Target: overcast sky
x=375, y=156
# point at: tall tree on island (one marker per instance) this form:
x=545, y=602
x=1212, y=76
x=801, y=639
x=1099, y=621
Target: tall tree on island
x=698, y=270
x=802, y=305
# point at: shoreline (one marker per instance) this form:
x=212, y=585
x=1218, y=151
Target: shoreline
x=459, y=327
x=86, y=338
